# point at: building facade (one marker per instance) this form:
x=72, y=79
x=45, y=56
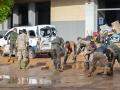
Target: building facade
x=72, y=18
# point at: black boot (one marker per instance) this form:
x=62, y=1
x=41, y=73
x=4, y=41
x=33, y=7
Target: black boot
x=86, y=65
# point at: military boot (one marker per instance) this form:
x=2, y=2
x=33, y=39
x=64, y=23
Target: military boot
x=86, y=66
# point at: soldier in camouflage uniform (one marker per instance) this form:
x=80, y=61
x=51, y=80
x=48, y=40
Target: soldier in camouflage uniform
x=57, y=45
x=116, y=53
x=81, y=44
x=88, y=48
x=89, y=51
x=102, y=57
x=99, y=59
x=22, y=45
x=13, y=37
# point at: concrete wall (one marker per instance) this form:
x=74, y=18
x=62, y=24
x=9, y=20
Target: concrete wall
x=90, y=17
x=70, y=30
x=69, y=18
x=0, y=26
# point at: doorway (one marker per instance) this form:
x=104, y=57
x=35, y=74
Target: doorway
x=43, y=13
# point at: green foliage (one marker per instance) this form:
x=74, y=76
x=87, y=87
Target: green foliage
x=5, y=9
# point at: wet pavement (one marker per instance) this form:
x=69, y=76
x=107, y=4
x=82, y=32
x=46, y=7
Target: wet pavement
x=34, y=77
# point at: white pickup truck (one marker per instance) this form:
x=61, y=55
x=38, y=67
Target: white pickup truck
x=40, y=38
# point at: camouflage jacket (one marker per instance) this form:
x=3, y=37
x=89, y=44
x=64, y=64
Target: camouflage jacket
x=13, y=37
x=116, y=49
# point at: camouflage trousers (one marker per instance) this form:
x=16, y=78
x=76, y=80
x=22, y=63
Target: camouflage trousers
x=88, y=60
x=12, y=49
x=99, y=59
x=56, y=57
x=23, y=58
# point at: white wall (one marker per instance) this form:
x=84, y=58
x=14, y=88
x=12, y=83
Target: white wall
x=90, y=17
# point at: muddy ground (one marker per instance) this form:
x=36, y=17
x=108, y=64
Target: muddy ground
x=40, y=75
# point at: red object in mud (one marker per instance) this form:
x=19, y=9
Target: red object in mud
x=95, y=34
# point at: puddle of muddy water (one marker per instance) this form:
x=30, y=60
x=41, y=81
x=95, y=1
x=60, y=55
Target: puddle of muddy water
x=4, y=64
x=6, y=79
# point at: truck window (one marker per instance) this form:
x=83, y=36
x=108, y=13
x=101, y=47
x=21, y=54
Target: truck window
x=31, y=33
x=53, y=31
x=20, y=31
x=7, y=35
x=45, y=32
x=1, y=36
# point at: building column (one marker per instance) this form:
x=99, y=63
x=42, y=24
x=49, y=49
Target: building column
x=36, y=18
x=91, y=17
x=9, y=22
x=31, y=14
x=15, y=16
x=5, y=25
x=0, y=26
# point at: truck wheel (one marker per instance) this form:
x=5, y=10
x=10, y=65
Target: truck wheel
x=3, y=54
x=31, y=53
x=49, y=54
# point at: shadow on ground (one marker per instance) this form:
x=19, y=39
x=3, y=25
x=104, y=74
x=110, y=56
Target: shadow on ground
x=37, y=65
